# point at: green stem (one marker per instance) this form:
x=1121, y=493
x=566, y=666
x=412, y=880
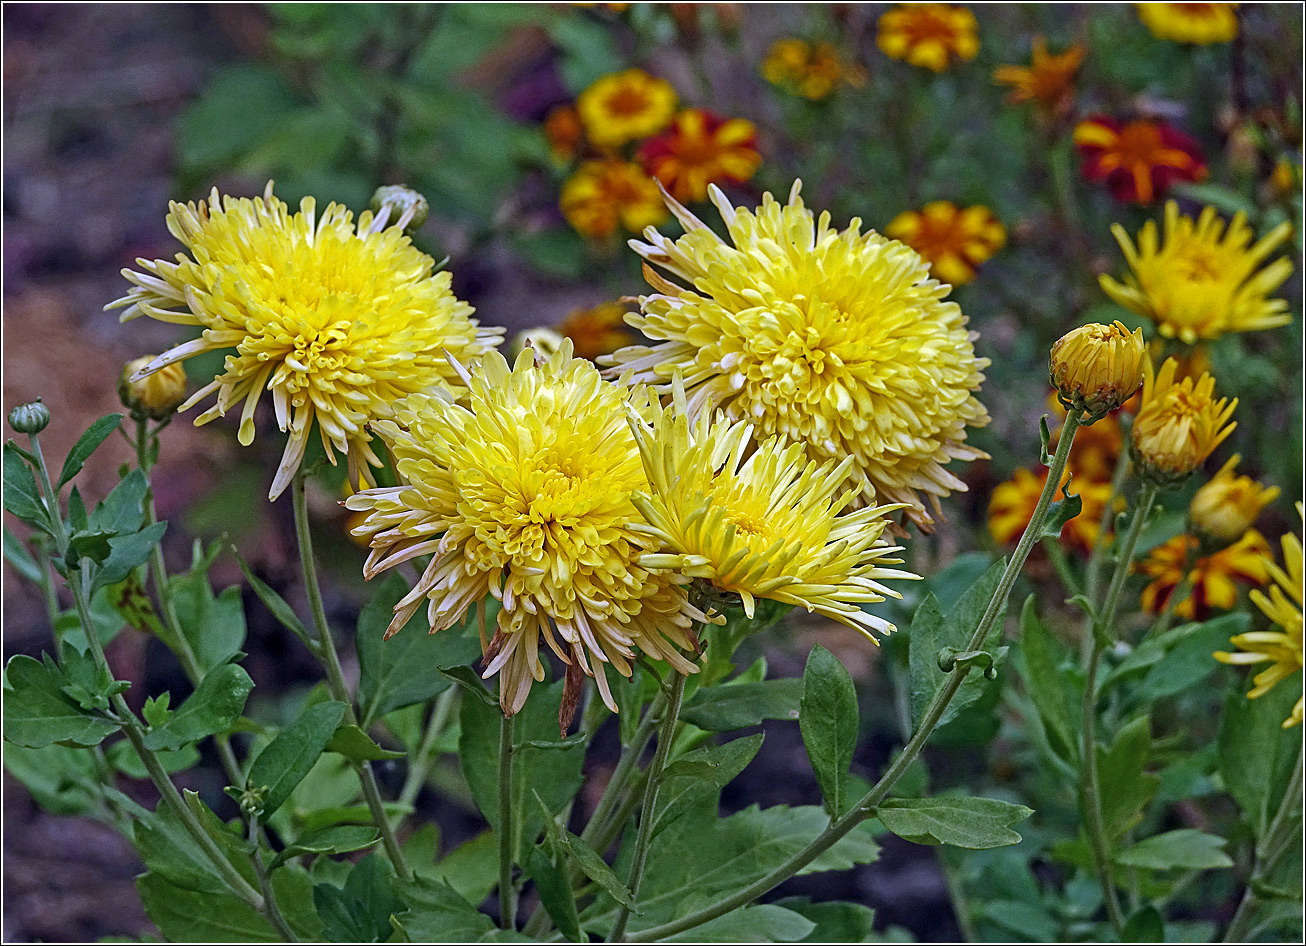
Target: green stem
x=1279, y=837
x=422, y=761
x=507, y=893
x=865, y=808
x=1093, y=573
x=1057, y=555
x=1090, y=788
x=653, y=782
x=336, y=677
x=265, y=884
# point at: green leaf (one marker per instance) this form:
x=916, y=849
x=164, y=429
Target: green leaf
x=828, y=719
x=695, y=780
x=547, y=866
x=87, y=444
x=758, y=923
x=1186, y=848
x=87, y=682
x=191, y=916
x=129, y=599
x=105, y=620
x=405, y=669
x=170, y=852
x=214, y=626
x=1187, y=660
x=554, y=772
x=127, y=552
x=731, y=706
x=21, y=494
x=1256, y=754
x=283, y=612
x=471, y=683
x=357, y=746
x=123, y=757
x=1047, y=687
x=437, y=914
x=835, y=921
x=16, y=554
x=62, y=780
x=596, y=869
x=38, y=713
x=338, y=839
x=239, y=107
x=213, y=708
x=123, y=510
x=471, y=869
x=289, y=757
x=974, y=823
x=1124, y=787
x=360, y=911
x=1060, y=512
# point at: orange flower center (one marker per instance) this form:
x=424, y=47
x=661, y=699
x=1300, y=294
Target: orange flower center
x=627, y=101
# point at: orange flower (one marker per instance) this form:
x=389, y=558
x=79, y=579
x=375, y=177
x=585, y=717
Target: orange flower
x=953, y=241
x=1012, y=506
x=603, y=195
x=1214, y=578
x=812, y=70
x=599, y=330
x=1138, y=160
x=1199, y=23
x=625, y=106
x=1046, y=81
x=563, y=131
x=930, y=35
x=701, y=148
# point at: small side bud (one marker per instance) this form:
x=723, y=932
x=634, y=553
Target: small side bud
x=29, y=418
x=400, y=206
x=1096, y=368
x=156, y=396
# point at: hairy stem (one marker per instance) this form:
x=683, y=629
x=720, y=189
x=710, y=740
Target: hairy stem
x=336, y=677
x=653, y=782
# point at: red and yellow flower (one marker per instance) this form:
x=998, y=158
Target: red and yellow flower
x=1137, y=160
x=930, y=35
x=1012, y=506
x=606, y=194
x=954, y=241
x=1213, y=579
x=625, y=106
x=701, y=148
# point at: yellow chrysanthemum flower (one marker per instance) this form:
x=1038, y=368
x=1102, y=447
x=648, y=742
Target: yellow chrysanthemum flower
x=930, y=35
x=625, y=106
x=953, y=240
x=812, y=70
x=524, y=494
x=1048, y=81
x=1096, y=368
x=1179, y=423
x=836, y=340
x=760, y=524
x=1200, y=23
x=1213, y=579
x=1283, y=648
x=337, y=320
x=1202, y=281
x=1227, y=505
x=603, y=195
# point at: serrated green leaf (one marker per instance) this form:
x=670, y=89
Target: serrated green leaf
x=213, y=708
x=829, y=720
x=214, y=626
x=338, y=839
x=974, y=823
x=1060, y=512
x=87, y=444
x=1256, y=754
x=38, y=713
x=435, y=913
x=694, y=781
x=835, y=921
x=127, y=552
x=123, y=757
x=289, y=757
x=62, y=780
x=756, y=923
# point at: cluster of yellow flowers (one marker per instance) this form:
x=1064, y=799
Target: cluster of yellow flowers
x=683, y=150
x=803, y=385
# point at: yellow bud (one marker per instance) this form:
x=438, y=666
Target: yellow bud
x=156, y=395
x=1096, y=368
x=545, y=341
x=1226, y=507
x=1178, y=425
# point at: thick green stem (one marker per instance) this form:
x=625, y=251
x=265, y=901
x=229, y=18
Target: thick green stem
x=1090, y=788
x=865, y=808
x=1279, y=837
x=653, y=782
x=336, y=677
x=507, y=893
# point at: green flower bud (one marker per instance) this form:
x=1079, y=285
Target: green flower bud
x=403, y=206
x=30, y=418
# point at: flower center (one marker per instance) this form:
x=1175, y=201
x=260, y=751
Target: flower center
x=627, y=101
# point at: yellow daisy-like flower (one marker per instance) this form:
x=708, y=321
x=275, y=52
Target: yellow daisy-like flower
x=1179, y=424
x=1213, y=579
x=525, y=494
x=1048, y=81
x=1202, y=280
x=1226, y=506
x=603, y=195
x=836, y=340
x=760, y=524
x=812, y=70
x=930, y=35
x=1283, y=648
x=625, y=106
x=1200, y=23
x=337, y=320
x=952, y=240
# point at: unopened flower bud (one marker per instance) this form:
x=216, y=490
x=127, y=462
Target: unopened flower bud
x=157, y=395
x=1096, y=368
x=402, y=206
x=29, y=418
x=545, y=341
x=1178, y=425
x=1226, y=507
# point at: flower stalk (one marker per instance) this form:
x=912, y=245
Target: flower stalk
x=507, y=893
